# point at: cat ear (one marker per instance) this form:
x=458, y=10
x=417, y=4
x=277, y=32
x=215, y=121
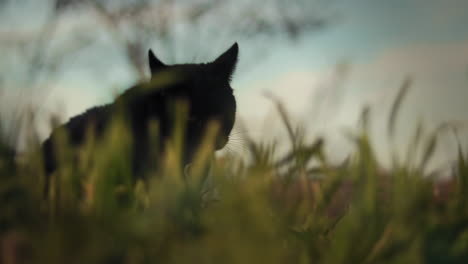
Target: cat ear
x=225, y=64
x=154, y=63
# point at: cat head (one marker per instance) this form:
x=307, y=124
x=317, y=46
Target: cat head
x=206, y=88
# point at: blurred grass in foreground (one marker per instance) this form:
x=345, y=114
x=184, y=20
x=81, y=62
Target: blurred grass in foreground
x=227, y=211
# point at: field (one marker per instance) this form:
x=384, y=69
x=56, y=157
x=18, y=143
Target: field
x=226, y=210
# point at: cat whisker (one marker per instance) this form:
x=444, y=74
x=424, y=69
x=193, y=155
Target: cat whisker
x=235, y=133
x=237, y=147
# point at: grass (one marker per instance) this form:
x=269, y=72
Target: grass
x=224, y=210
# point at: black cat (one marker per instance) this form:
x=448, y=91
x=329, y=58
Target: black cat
x=205, y=87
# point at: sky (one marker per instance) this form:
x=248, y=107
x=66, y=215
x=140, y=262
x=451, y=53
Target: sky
x=380, y=43
x=383, y=42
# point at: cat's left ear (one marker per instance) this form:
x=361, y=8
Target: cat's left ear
x=154, y=63
x=225, y=64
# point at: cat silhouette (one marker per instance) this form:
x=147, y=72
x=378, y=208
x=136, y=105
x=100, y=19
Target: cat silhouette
x=205, y=87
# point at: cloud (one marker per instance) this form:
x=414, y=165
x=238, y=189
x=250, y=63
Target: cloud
x=439, y=72
x=438, y=94
x=63, y=100
x=293, y=89
x=447, y=11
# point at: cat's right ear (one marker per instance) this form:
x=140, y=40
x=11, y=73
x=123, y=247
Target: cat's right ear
x=154, y=63
x=225, y=64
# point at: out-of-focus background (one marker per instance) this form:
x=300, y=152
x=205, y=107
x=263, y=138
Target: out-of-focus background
x=325, y=60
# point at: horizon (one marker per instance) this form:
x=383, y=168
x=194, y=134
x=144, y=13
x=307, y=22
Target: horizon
x=379, y=44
